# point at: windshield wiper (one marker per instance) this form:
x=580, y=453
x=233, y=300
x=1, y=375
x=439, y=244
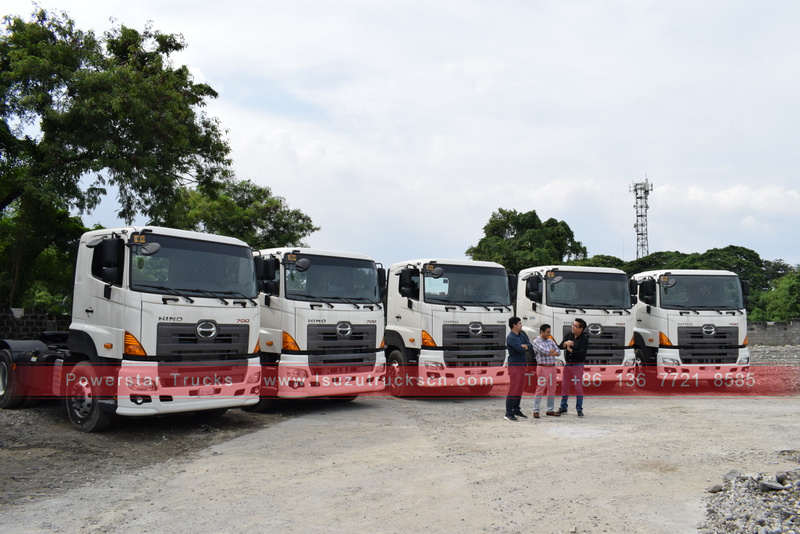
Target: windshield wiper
x=206, y=293
x=168, y=290
x=240, y=295
x=300, y=296
x=440, y=300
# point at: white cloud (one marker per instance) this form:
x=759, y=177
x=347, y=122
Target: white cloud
x=400, y=127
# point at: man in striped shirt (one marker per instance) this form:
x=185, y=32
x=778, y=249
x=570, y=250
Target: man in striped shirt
x=546, y=377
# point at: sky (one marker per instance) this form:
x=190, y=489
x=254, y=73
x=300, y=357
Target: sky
x=400, y=127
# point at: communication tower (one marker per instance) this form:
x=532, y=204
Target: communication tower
x=641, y=190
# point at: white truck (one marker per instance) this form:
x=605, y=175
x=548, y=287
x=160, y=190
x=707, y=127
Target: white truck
x=691, y=327
x=163, y=321
x=446, y=325
x=558, y=294
x=321, y=323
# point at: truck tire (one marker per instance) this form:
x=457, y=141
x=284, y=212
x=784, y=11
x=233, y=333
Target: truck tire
x=645, y=369
x=9, y=387
x=397, y=373
x=480, y=391
x=343, y=398
x=262, y=406
x=82, y=403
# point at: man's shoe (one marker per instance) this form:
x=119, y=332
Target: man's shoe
x=580, y=413
x=536, y=415
x=520, y=414
x=562, y=410
x=510, y=417
x=556, y=414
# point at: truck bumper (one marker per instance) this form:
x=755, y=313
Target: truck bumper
x=434, y=373
x=294, y=378
x=607, y=374
x=667, y=367
x=146, y=388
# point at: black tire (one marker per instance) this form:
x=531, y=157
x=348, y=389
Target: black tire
x=480, y=391
x=262, y=406
x=9, y=387
x=82, y=401
x=397, y=373
x=213, y=414
x=344, y=398
x=645, y=369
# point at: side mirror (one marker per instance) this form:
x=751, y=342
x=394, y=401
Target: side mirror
x=407, y=286
x=266, y=268
x=745, y=287
x=533, y=288
x=382, y=281
x=512, y=285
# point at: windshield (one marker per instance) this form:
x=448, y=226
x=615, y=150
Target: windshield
x=190, y=267
x=698, y=292
x=467, y=285
x=589, y=290
x=329, y=278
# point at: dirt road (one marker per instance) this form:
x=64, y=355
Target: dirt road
x=398, y=465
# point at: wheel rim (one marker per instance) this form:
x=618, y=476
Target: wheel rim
x=3, y=378
x=81, y=399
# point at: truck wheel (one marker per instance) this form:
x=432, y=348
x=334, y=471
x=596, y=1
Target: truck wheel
x=645, y=371
x=213, y=414
x=397, y=373
x=480, y=391
x=344, y=398
x=262, y=406
x=82, y=403
x=9, y=394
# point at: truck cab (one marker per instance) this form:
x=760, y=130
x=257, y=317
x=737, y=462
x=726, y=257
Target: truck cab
x=321, y=323
x=163, y=321
x=558, y=294
x=691, y=324
x=446, y=325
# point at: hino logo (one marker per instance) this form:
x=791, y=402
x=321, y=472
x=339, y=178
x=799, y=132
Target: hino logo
x=475, y=329
x=170, y=319
x=709, y=330
x=206, y=330
x=344, y=329
x=595, y=329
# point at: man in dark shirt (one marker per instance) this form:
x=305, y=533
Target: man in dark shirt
x=517, y=343
x=575, y=346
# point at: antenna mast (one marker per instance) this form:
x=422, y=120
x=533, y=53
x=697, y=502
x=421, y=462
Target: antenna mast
x=641, y=190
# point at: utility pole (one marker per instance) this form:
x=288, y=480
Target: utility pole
x=641, y=190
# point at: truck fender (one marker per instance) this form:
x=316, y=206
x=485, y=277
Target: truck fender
x=82, y=343
x=393, y=340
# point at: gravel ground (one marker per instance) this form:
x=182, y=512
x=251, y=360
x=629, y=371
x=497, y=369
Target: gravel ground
x=633, y=464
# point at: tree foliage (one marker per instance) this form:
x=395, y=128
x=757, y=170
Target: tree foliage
x=240, y=209
x=114, y=108
x=80, y=113
x=520, y=240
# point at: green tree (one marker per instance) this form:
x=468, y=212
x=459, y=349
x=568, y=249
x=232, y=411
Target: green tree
x=80, y=113
x=601, y=260
x=783, y=302
x=521, y=240
x=240, y=209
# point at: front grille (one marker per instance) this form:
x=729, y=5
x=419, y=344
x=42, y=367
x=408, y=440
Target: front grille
x=330, y=353
x=465, y=349
x=605, y=348
x=180, y=342
x=696, y=347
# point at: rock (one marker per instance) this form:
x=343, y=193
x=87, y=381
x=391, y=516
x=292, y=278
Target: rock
x=716, y=488
x=770, y=486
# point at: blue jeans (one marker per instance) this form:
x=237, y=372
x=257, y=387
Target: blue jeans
x=572, y=376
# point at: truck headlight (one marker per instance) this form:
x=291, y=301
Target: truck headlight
x=671, y=361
